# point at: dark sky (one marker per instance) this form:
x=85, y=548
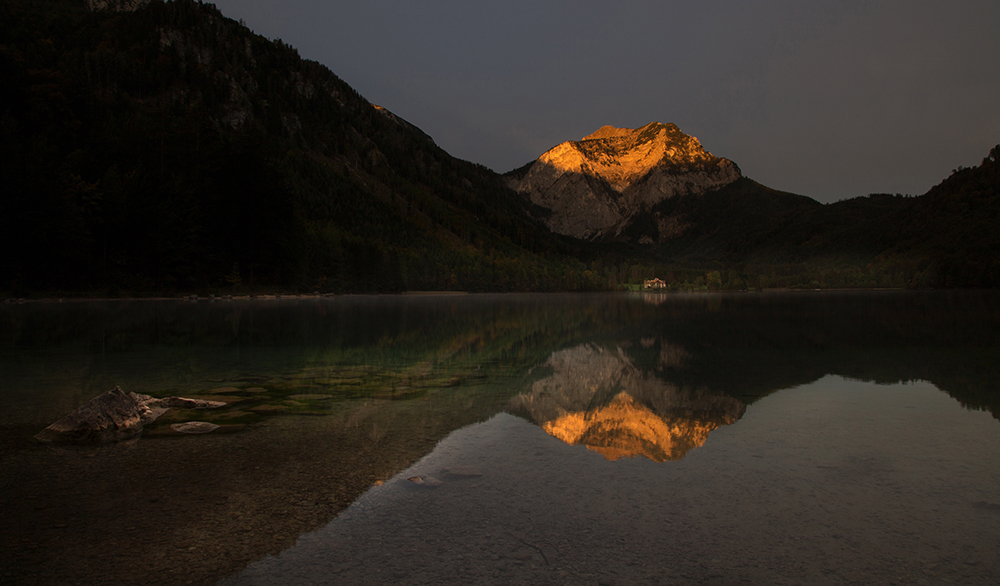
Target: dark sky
x=830, y=99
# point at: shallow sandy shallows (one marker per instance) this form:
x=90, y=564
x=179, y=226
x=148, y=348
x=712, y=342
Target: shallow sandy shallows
x=836, y=482
x=171, y=508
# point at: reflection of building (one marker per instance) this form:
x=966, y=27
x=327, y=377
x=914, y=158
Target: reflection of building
x=658, y=298
x=598, y=398
x=656, y=283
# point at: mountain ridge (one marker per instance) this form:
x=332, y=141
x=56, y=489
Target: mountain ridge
x=169, y=149
x=595, y=186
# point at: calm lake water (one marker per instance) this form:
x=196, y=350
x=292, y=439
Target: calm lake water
x=777, y=438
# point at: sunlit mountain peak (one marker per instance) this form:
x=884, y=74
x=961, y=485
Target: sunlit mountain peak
x=595, y=185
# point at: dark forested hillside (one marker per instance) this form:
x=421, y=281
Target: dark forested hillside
x=949, y=237
x=173, y=149
x=957, y=225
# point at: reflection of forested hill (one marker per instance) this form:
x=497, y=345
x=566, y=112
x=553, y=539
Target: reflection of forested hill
x=751, y=345
x=742, y=345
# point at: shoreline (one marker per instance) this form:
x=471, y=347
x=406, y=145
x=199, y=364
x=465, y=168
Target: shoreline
x=288, y=296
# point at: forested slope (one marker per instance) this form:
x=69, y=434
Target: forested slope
x=171, y=148
x=948, y=237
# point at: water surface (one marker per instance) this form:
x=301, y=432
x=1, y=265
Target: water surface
x=769, y=438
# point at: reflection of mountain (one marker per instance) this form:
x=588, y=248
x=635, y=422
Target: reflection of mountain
x=749, y=346
x=597, y=397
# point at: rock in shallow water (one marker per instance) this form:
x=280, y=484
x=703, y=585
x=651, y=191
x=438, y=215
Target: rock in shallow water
x=115, y=416
x=111, y=416
x=428, y=481
x=194, y=427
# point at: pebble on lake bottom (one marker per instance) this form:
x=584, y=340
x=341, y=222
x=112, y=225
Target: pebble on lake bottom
x=194, y=427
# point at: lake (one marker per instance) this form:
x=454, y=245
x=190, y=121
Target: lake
x=769, y=438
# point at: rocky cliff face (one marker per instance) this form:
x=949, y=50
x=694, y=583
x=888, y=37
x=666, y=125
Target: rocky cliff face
x=596, y=186
x=595, y=396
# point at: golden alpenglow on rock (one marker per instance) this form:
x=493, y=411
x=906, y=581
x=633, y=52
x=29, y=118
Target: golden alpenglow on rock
x=596, y=185
x=598, y=398
x=626, y=428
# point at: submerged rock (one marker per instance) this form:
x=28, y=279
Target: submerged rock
x=115, y=416
x=182, y=403
x=462, y=472
x=194, y=427
x=428, y=481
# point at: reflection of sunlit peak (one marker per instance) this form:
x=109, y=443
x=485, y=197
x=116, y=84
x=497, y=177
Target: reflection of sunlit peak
x=597, y=397
x=673, y=356
x=569, y=428
x=625, y=428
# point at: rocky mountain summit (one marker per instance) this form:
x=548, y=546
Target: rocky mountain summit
x=595, y=187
